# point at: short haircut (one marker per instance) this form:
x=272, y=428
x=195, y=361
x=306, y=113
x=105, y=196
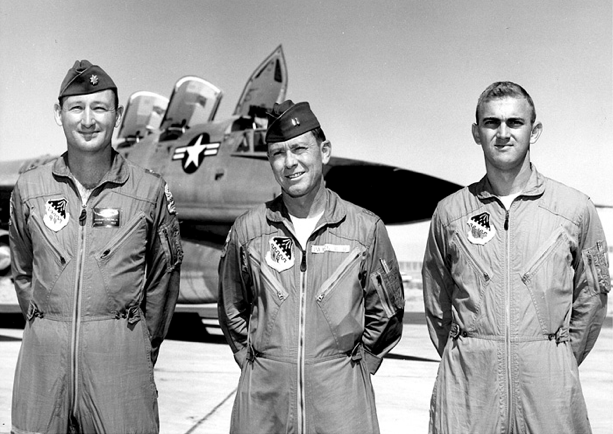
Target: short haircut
x=61, y=99
x=504, y=89
x=319, y=135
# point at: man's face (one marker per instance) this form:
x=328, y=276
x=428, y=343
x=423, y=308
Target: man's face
x=297, y=164
x=505, y=133
x=88, y=120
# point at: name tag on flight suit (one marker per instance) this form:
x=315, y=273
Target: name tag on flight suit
x=106, y=217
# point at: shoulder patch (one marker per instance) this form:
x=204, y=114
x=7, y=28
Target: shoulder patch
x=172, y=209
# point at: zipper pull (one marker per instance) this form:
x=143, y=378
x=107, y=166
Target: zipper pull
x=83, y=217
x=506, y=221
x=303, y=262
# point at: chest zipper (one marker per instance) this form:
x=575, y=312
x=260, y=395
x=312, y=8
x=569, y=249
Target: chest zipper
x=509, y=358
x=301, y=344
x=76, y=319
x=300, y=393
x=344, y=268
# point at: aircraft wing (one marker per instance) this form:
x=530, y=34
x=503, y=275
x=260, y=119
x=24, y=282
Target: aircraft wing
x=266, y=86
x=9, y=172
x=379, y=188
x=398, y=196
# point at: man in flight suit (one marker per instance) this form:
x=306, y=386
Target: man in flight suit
x=95, y=259
x=310, y=297
x=515, y=282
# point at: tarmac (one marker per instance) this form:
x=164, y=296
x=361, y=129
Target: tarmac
x=196, y=377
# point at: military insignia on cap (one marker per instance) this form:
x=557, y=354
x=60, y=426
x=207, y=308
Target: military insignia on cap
x=480, y=229
x=295, y=122
x=56, y=214
x=93, y=79
x=281, y=253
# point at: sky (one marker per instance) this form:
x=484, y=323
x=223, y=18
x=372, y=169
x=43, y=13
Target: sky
x=395, y=82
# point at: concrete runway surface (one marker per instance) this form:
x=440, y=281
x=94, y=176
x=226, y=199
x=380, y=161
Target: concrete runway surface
x=197, y=377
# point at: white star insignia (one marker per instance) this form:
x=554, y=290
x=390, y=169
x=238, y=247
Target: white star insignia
x=193, y=152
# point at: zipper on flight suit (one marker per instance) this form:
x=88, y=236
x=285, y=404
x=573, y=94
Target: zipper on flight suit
x=340, y=273
x=300, y=393
x=76, y=320
x=301, y=344
x=509, y=358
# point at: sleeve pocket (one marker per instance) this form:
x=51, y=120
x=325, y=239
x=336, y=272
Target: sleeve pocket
x=171, y=244
x=389, y=288
x=597, y=268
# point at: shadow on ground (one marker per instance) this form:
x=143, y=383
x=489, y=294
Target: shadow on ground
x=186, y=327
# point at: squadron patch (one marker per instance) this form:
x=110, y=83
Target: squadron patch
x=56, y=214
x=480, y=231
x=172, y=209
x=280, y=256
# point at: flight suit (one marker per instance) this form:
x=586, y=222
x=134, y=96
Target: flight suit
x=97, y=283
x=515, y=300
x=309, y=326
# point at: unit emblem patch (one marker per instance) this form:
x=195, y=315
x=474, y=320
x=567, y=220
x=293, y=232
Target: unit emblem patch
x=56, y=214
x=480, y=230
x=172, y=209
x=280, y=256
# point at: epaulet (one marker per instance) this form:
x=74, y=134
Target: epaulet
x=34, y=163
x=29, y=168
x=369, y=213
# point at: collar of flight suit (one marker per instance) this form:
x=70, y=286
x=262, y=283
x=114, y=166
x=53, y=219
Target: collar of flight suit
x=335, y=211
x=117, y=174
x=534, y=187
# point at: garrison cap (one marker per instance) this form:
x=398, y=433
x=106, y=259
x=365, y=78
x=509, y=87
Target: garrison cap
x=290, y=120
x=84, y=78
